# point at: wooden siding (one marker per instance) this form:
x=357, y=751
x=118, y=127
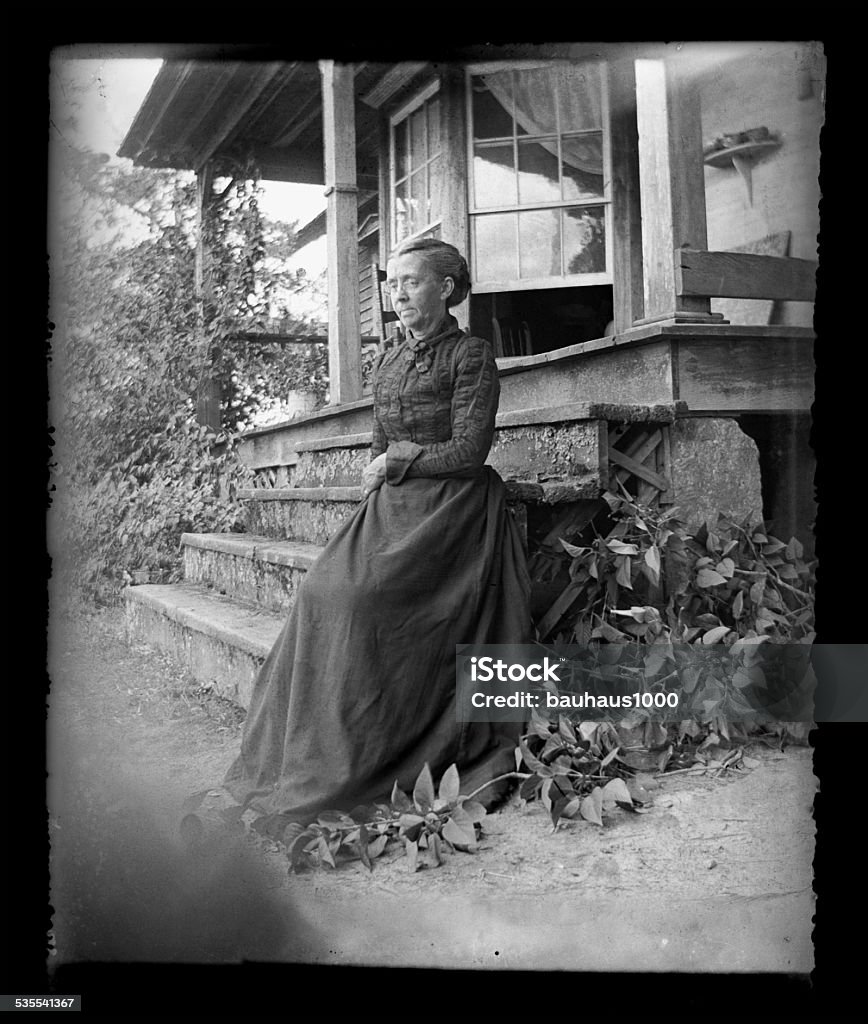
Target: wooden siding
x=368, y=310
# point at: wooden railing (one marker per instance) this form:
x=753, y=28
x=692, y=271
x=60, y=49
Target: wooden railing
x=269, y=337
x=738, y=275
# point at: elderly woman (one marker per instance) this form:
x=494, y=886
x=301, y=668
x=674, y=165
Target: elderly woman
x=359, y=689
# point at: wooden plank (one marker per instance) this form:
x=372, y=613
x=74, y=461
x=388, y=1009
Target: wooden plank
x=739, y=275
x=453, y=160
x=303, y=117
x=627, y=287
x=572, y=522
x=339, y=136
x=305, y=112
x=754, y=311
x=745, y=375
x=631, y=376
x=671, y=183
x=559, y=608
x=167, y=86
x=617, y=431
x=639, y=450
x=396, y=78
x=642, y=447
x=295, y=339
x=209, y=392
x=222, y=85
x=668, y=496
x=384, y=195
x=294, y=165
x=301, y=166
x=235, y=111
x=637, y=469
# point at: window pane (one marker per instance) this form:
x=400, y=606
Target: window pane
x=494, y=176
x=584, y=240
x=401, y=156
x=418, y=200
x=583, y=166
x=538, y=171
x=417, y=138
x=492, y=105
x=434, y=188
x=402, y=220
x=539, y=242
x=433, y=127
x=535, y=102
x=579, y=97
x=494, y=246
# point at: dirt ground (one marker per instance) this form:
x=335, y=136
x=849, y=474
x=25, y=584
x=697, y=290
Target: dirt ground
x=717, y=876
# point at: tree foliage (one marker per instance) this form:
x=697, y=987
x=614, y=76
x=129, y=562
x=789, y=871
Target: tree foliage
x=131, y=351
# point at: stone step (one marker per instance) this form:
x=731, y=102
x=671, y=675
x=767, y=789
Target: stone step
x=310, y=515
x=331, y=461
x=253, y=568
x=313, y=514
x=219, y=640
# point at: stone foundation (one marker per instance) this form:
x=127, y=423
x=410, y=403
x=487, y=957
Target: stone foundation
x=552, y=451
x=715, y=468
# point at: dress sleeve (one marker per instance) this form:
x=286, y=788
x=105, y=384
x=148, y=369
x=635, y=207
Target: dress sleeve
x=474, y=406
x=378, y=442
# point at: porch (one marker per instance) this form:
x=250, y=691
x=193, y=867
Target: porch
x=657, y=367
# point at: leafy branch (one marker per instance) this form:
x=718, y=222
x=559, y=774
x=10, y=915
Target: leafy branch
x=430, y=823
x=680, y=586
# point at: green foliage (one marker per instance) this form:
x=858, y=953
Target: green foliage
x=430, y=824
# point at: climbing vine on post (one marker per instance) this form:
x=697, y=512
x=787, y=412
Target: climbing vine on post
x=133, y=468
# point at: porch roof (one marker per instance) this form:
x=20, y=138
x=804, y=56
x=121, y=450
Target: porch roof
x=271, y=110
x=197, y=110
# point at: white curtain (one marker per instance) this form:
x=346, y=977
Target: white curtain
x=579, y=97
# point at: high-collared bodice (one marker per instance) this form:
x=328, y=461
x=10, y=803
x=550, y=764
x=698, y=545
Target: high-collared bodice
x=440, y=395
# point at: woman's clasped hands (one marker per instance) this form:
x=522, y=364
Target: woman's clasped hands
x=374, y=475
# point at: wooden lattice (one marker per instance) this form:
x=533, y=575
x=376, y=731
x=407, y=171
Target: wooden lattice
x=640, y=463
x=640, y=459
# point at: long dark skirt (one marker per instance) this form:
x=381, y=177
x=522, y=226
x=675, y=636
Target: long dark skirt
x=359, y=689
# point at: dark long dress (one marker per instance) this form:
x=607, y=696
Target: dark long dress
x=359, y=689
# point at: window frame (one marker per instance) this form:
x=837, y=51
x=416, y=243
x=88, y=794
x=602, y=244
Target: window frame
x=555, y=281
x=395, y=118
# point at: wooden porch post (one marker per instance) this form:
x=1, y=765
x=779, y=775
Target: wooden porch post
x=671, y=187
x=453, y=139
x=628, y=301
x=208, y=394
x=342, y=232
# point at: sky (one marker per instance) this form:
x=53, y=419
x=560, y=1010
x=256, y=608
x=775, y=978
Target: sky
x=115, y=87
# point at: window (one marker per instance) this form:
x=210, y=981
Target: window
x=416, y=168
x=539, y=194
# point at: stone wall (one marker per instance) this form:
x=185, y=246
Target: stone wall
x=715, y=468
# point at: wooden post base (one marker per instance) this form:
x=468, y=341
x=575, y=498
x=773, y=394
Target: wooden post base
x=680, y=316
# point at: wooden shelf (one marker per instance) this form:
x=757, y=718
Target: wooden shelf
x=723, y=157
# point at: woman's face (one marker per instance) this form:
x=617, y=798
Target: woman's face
x=418, y=294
